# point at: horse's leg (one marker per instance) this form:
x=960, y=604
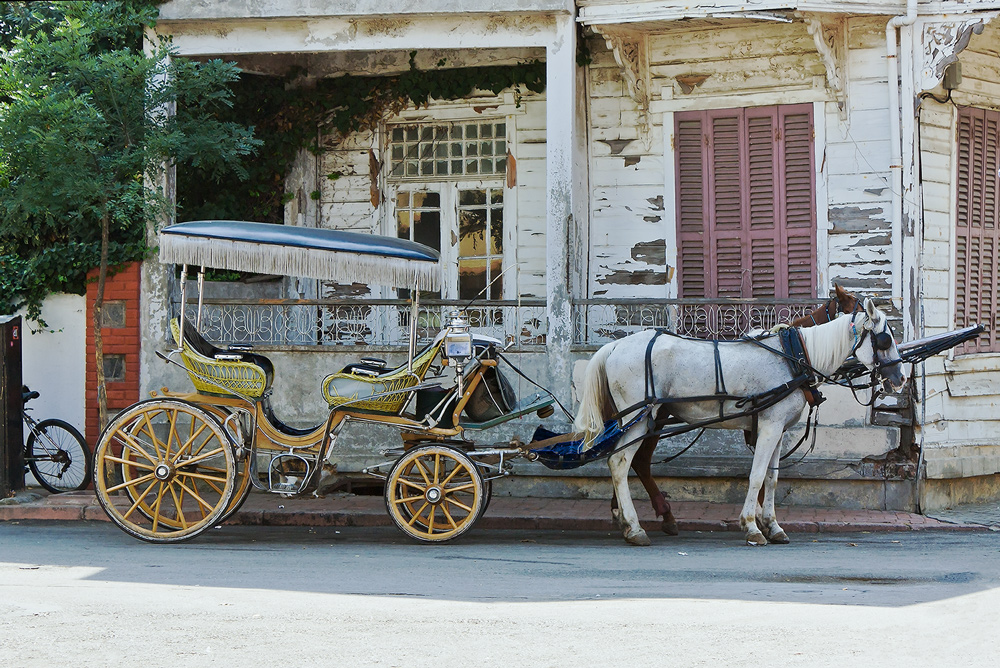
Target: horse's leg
x=619, y=465
x=641, y=465
x=768, y=437
x=768, y=521
x=748, y=437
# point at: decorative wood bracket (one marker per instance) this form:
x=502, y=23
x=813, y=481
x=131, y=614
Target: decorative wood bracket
x=942, y=42
x=631, y=51
x=829, y=33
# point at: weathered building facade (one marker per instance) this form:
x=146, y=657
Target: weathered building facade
x=706, y=167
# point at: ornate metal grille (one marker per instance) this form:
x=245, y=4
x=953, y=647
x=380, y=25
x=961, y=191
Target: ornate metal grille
x=368, y=323
x=595, y=322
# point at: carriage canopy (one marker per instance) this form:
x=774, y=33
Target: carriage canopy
x=308, y=252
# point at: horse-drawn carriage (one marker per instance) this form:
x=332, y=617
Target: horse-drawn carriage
x=170, y=467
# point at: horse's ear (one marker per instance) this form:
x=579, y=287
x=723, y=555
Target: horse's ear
x=871, y=312
x=844, y=298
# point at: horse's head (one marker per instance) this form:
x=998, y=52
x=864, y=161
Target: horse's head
x=874, y=345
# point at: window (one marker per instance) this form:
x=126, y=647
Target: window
x=746, y=211
x=447, y=184
x=977, y=239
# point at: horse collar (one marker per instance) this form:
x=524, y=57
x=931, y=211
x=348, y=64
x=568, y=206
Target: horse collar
x=798, y=363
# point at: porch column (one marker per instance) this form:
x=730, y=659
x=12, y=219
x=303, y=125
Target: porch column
x=560, y=115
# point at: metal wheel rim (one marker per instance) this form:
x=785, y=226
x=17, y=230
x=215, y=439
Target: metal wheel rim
x=434, y=493
x=174, y=465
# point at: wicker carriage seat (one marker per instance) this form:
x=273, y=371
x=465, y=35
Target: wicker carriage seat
x=235, y=370
x=357, y=385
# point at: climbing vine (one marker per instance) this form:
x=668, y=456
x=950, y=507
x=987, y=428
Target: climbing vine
x=288, y=117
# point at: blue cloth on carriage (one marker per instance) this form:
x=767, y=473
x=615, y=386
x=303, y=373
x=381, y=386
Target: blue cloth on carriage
x=570, y=454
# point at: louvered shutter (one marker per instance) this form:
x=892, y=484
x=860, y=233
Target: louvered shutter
x=691, y=155
x=746, y=203
x=977, y=228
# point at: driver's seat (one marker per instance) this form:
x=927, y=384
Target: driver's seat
x=235, y=371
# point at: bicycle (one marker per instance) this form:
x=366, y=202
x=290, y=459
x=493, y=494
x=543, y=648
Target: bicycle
x=55, y=452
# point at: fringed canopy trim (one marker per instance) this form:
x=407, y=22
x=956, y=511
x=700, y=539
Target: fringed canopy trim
x=299, y=251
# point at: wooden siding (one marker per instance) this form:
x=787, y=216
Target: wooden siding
x=752, y=65
x=962, y=389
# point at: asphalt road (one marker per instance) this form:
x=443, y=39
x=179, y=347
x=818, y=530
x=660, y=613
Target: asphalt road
x=87, y=594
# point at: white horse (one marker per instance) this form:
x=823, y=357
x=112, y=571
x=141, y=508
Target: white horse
x=683, y=367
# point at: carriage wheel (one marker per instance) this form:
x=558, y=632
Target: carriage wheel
x=164, y=471
x=434, y=493
x=240, y=494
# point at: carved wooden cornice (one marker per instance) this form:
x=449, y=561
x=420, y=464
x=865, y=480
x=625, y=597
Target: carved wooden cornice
x=631, y=51
x=829, y=33
x=942, y=42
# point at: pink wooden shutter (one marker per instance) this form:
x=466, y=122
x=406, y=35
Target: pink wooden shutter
x=745, y=202
x=977, y=226
x=797, y=199
x=690, y=208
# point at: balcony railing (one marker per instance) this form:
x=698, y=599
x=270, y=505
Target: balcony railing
x=597, y=321
x=385, y=323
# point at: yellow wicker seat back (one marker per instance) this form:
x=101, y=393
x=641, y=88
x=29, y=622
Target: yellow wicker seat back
x=249, y=376
x=354, y=389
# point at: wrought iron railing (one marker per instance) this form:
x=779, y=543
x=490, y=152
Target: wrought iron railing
x=385, y=322
x=597, y=321
x=275, y=322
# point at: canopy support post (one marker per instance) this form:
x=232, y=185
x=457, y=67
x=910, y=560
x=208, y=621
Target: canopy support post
x=184, y=275
x=414, y=315
x=201, y=294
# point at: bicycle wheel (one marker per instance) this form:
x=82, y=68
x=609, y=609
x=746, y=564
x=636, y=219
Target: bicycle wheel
x=58, y=456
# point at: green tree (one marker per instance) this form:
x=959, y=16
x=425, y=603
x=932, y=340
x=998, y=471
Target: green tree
x=87, y=123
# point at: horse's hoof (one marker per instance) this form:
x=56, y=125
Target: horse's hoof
x=756, y=539
x=781, y=538
x=670, y=528
x=638, y=538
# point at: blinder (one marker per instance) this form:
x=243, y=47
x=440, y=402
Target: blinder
x=882, y=341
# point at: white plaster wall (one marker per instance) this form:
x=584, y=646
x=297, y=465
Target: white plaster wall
x=53, y=361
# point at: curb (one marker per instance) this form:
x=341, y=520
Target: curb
x=505, y=513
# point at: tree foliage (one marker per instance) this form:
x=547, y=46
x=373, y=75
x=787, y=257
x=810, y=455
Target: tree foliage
x=85, y=132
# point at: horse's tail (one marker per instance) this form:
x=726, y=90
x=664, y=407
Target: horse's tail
x=596, y=404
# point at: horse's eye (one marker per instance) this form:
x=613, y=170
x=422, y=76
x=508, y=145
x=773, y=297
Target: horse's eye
x=882, y=341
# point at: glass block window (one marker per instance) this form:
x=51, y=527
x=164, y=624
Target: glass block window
x=480, y=242
x=448, y=149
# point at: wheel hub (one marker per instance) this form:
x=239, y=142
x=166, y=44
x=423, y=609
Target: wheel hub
x=163, y=472
x=433, y=495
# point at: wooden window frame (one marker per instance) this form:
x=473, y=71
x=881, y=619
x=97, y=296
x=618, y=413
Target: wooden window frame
x=745, y=188
x=977, y=227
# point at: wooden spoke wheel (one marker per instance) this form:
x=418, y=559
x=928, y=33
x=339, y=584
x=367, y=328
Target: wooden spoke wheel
x=434, y=493
x=164, y=471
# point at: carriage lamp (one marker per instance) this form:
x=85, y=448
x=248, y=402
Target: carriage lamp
x=458, y=344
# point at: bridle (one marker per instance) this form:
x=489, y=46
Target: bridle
x=830, y=314
x=881, y=341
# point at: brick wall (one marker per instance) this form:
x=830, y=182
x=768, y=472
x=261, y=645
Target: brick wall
x=121, y=344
